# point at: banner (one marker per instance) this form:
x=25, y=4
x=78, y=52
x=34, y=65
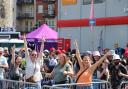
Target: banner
x=7, y=29
x=69, y=2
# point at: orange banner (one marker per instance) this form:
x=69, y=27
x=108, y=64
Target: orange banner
x=69, y=2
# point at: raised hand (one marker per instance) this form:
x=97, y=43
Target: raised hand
x=24, y=36
x=13, y=48
x=108, y=53
x=43, y=39
x=13, y=54
x=80, y=61
x=76, y=47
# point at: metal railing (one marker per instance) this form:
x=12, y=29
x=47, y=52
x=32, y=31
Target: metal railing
x=25, y=2
x=99, y=84
x=49, y=1
x=25, y=15
x=124, y=85
x=11, y=84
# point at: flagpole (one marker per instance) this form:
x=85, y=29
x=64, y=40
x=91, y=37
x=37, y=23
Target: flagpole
x=80, y=27
x=92, y=23
x=59, y=16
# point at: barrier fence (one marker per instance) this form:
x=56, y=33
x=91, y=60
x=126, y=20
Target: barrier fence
x=94, y=85
x=98, y=84
x=124, y=85
x=51, y=87
x=11, y=84
x=47, y=80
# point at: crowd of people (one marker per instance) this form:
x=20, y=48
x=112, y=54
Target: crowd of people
x=69, y=66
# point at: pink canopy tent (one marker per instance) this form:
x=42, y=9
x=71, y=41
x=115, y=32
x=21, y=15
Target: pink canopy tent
x=42, y=32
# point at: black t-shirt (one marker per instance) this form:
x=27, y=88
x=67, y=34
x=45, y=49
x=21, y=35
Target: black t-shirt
x=115, y=73
x=15, y=73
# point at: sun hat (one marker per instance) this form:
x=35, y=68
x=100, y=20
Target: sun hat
x=96, y=53
x=1, y=49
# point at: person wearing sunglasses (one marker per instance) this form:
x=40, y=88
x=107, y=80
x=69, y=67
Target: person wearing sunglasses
x=33, y=64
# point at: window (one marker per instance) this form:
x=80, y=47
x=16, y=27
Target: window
x=40, y=9
x=50, y=6
x=50, y=23
x=51, y=9
x=86, y=2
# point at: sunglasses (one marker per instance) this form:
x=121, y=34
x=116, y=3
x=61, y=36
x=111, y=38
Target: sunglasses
x=34, y=55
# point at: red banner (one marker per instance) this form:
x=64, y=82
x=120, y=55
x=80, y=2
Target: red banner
x=120, y=20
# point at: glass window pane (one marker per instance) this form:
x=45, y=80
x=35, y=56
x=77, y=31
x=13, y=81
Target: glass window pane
x=40, y=8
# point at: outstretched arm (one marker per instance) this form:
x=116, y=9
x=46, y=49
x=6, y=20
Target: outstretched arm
x=124, y=75
x=26, y=48
x=13, y=55
x=78, y=54
x=94, y=66
x=41, y=49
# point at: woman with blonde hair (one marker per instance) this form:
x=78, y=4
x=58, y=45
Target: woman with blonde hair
x=33, y=64
x=61, y=70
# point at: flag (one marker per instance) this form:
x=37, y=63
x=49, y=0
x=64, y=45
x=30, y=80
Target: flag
x=92, y=20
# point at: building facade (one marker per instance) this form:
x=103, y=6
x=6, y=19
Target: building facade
x=25, y=13
x=6, y=13
x=32, y=13
x=100, y=36
x=46, y=12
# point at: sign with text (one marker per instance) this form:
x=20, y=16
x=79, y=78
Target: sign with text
x=92, y=22
x=7, y=29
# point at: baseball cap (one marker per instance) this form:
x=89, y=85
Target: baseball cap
x=116, y=57
x=46, y=51
x=52, y=49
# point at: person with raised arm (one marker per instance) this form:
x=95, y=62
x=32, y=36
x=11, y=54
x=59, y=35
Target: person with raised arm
x=86, y=71
x=15, y=72
x=61, y=71
x=33, y=64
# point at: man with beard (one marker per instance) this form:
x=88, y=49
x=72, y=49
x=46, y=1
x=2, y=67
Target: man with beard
x=116, y=72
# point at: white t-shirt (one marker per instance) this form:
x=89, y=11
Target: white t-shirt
x=30, y=67
x=3, y=61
